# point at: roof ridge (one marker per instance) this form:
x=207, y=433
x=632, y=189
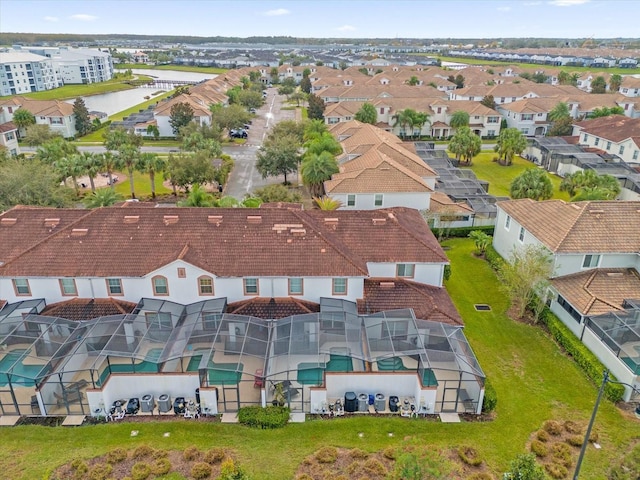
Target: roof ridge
x=573, y=224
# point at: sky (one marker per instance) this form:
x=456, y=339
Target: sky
x=328, y=18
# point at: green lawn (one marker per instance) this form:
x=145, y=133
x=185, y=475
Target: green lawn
x=177, y=68
x=500, y=177
x=534, y=381
x=141, y=185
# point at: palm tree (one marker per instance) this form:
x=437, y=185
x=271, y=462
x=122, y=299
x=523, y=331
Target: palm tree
x=533, y=183
x=459, y=119
x=103, y=197
x=559, y=112
x=419, y=120
x=110, y=163
x=327, y=203
x=70, y=166
x=91, y=164
x=151, y=164
x=404, y=118
x=198, y=197
x=316, y=169
x=130, y=156
x=314, y=129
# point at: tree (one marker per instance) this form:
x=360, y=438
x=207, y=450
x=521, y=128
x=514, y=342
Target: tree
x=465, y=144
x=566, y=78
x=606, y=111
x=291, y=128
x=153, y=130
x=250, y=99
x=104, y=197
x=278, y=156
x=180, y=115
x=198, y=197
x=419, y=120
x=481, y=240
x=598, y=85
x=404, y=118
x=488, y=101
x=91, y=166
x=81, y=115
x=55, y=150
x=315, y=110
x=286, y=89
x=524, y=467
x=539, y=77
x=588, y=185
x=458, y=80
x=614, y=82
x=560, y=111
x=118, y=137
x=510, y=142
x=277, y=193
x=188, y=169
x=533, y=183
x=314, y=129
x=23, y=118
x=367, y=114
x=110, y=163
x=525, y=276
x=413, y=81
x=459, y=119
x=298, y=96
x=151, y=164
x=323, y=143
x=230, y=117
x=130, y=157
x=316, y=169
x=305, y=84
x=38, y=134
x=562, y=122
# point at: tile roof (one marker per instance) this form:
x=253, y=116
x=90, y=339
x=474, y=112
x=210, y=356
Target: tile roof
x=8, y=127
x=428, y=302
x=42, y=108
x=225, y=242
x=614, y=127
x=272, y=308
x=442, y=203
x=600, y=290
x=80, y=309
x=580, y=227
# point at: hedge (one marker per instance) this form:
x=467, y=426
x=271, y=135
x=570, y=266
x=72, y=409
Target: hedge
x=493, y=258
x=461, y=231
x=586, y=360
x=267, y=417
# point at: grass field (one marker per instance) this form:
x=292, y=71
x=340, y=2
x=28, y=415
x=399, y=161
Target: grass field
x=474, y=61
x=500, y=177
x=534, y=381
x=141, y=185
x=177, y=68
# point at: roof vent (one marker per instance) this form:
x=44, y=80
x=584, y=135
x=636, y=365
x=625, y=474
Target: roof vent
x=298, y=232
x=254, y=219
x=217, y=219
x=387, y=285
x=6, y=222
x=51, y=222
x=596, y=211
x=331, y=222
x=79, y=232
x=131, y=218
x=615, y=274
x=170, y=219
x=379, y=221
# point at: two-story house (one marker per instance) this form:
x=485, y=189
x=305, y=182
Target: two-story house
x=616, y=134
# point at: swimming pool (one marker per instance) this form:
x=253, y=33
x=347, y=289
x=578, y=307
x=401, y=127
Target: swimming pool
x=21, y=375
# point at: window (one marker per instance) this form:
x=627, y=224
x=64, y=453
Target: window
x=295, y=286
x=21, y=286
x=351, y=200
x=608, y=145
x=159, y=320
x=160, y=286
x=507, y=222
x=521, y=235
x=527, y=116
x=405, y=270
x=182, y=272
x=9, y=136
x=590, y=261
x=635, y=155
x=211, y=321
x=525, y=131
x=377, y=200
x=493, y=120
x=621, y=151
x=339, y=286
x=569, y=309
x=597, y=142
x=68, y=287
x=55, y=121
x=205, y=285
x=114, y=286
x=251, y=286
x=491, y=133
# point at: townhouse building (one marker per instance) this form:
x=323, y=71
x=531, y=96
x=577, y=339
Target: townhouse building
x=23, y=72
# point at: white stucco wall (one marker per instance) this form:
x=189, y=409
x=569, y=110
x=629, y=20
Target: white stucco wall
x=427, y=273
x=366, y=201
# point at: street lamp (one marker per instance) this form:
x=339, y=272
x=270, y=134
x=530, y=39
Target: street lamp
x=583, y=449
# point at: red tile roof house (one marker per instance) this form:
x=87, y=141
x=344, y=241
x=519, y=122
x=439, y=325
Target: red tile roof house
x=204, y=298
x=595, y=247
x=54, y=113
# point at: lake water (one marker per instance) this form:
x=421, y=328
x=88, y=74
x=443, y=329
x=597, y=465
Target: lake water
x=115, y=102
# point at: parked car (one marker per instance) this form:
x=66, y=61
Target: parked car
x=238, y=133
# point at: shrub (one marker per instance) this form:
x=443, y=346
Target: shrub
x=100, y=471
x=161, y=466
x=575, y=440
x=469, y=455
x=552, y=427
x=539, y=448
x=142, y=451
x=493, y=258
x=268, y=417
x=215, y=455
x=374, y=466
x=390, y=453
x=562, y=454
x=79, y=467
x=327, y=455
x=594, y=436
x=191, y=453
x=160, y=454
x=140, y=471
x=542, y=435
x=490, y=397
x=586, y=360
x=480, y=476
x=352, y=468
x=358, y=454
x=201, y=470
x=116, y=455
x=572, y=427
x=461, y=232
x=556, y=470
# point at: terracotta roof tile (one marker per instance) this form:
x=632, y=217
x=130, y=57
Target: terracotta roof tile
x=614, y=127
x=272, y=308
x=80, y=309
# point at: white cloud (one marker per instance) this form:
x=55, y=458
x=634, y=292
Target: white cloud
x=346, y=28
x=83, y=17
x=567, y=3
x=504, y=9
x=277, y=12
x=51, y=19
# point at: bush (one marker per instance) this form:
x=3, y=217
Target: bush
x=201, y=470
x=268, y=417
x=469, y=455
x=542, y=435
x=191, y=453
x=327, y=455
x=561, y=453
x=480, y=476
x=116, y=455
x=390, y=453
x=552, y=427
x=161, y=466
x=575, y=440
x=490, y=397
x=374, y=466
x=160, y=454
x=100, y=471
x=79, y=468
x=358, y=454
x=140, y=471
x=215, y=455
x=539, y=448
x=142, y=451
x=556, y=470
x=493, y=258
x=586, y=360
x=461, y=232
x=572, y=427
